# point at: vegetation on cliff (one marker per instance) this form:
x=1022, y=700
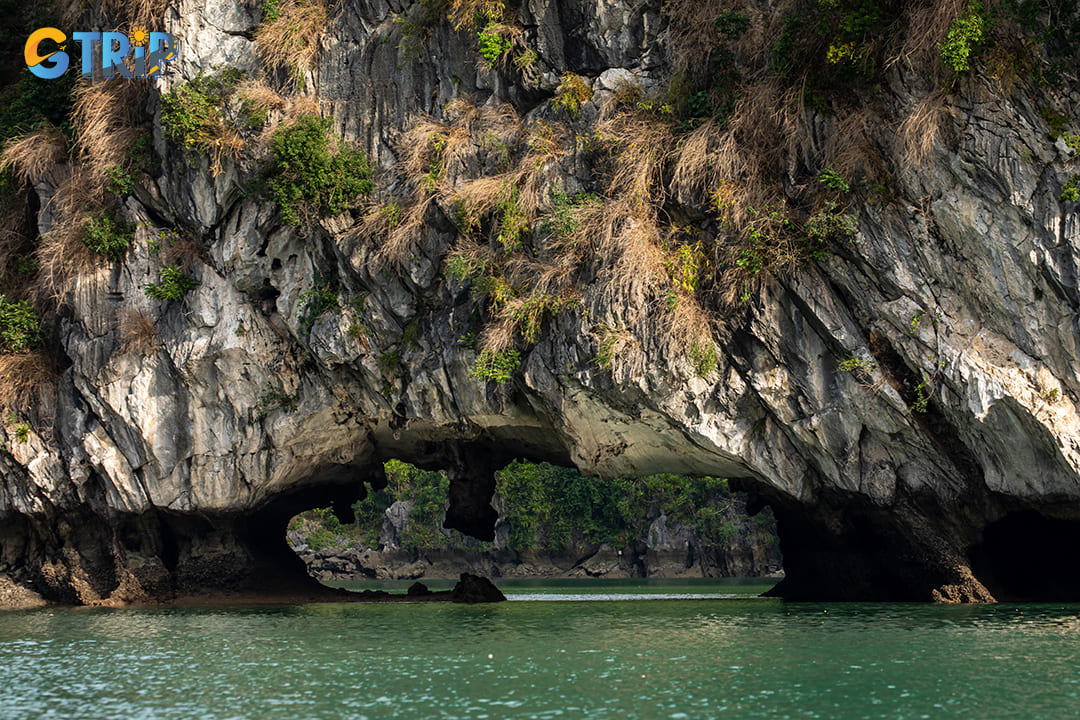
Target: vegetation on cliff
x=543, y=507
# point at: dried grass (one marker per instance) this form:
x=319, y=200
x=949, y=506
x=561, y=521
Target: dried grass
x=401, y=240
x=259, y=97
x=125, y=15
x=498, y=336
x=478, y=197
x=291, y=42
x=183, y=250
x=626, y=235
x=31, y=156
x=137, y=332
x=62, y=255
x=465, y=13
x=692, y=33
x=851, y=148
x=769, y=123
x=696, y=171
x=927, y=26
x=430, y=148
x=106, y=115
x=28, y=382
x=919, y=130
x=641, y=148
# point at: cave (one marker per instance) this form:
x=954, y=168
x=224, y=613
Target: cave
x=1027, y=556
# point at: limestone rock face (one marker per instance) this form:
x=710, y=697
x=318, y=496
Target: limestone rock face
x=173, y=469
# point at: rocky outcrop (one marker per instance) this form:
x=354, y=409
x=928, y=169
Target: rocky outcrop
x=472, y=589
x=172, y=470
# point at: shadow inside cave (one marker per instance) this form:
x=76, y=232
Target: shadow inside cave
x=1028, y=556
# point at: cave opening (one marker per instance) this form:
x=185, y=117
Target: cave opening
x=548, y=521
x=1025, y=556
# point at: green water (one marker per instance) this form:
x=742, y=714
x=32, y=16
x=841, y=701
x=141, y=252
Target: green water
x=717, y=652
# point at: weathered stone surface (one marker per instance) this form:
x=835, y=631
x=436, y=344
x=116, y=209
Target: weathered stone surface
x=175, y=470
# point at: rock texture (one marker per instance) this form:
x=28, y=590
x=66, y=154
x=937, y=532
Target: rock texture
x=173, y=471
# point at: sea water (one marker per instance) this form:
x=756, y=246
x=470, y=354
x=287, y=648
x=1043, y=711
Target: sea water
x=631, y=649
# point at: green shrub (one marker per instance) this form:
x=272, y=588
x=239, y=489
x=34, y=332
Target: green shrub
x=513, y=224
x=107, y=235
x=20, y=327
x=549, y=506
x=833, y=180
x=27, y=103
x=703, y=357
x=854, y=363
x=274, y=399
x=174, y=284
x=545, y=506
x=192, y=114
x=496, y=366
x=271, y=10
x=307, y=177
x=426, y=490
x=828, y=224
x=572, y=93
x=121, y=181
x=494, y=43
x=1071, y=191
x=732, y=25
x=318, y=300
x=966, y=35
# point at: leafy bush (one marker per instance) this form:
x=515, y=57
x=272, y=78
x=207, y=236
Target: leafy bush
x=966, y=35
x=703, y=356
x=425, y=490
x=496, y=366
x=307, y=177
x=833, y=180
x=20, y=327
x=732, y=24
x=833, y=43
x=318, y=300
x=120, y=181
x=174, y=284
x=513, y=223
x=107, y=235
x=271, y=10
x=494, y=42
x=27, y=103
x=1071, y=191
x=192, y=114
x=854, y=363
x=829, y=224
x=572, y=93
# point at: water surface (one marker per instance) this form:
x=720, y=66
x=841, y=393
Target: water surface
x=570, y=649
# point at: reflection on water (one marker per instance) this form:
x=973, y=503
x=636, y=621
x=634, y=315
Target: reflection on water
x=702, y=657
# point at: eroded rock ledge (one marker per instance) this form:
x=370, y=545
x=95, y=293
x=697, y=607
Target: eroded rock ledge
x=171, y=469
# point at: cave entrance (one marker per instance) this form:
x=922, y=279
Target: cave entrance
x=1028, y=556
x=553, y=522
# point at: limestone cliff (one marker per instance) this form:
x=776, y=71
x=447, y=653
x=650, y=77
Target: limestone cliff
x=903, y=391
